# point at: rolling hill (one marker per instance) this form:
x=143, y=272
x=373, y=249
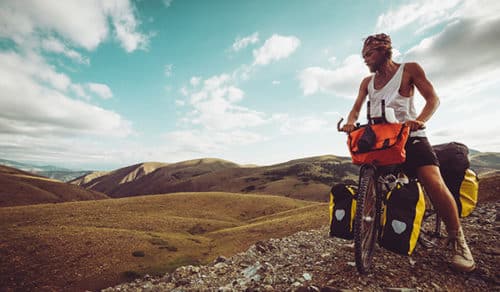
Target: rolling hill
x=307, y=178
x=484, y=162
x=50, y=171
x=95, y=244
x=23, y=188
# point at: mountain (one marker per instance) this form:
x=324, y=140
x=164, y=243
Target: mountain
x=24, y=188
x=484, y=162
x=50, y=171
x=307, y=178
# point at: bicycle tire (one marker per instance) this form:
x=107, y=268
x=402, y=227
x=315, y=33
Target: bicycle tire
x=367, y=220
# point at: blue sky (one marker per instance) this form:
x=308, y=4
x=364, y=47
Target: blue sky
x=105, y=84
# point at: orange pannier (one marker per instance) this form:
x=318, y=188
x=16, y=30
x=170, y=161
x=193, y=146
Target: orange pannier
x=385, y=146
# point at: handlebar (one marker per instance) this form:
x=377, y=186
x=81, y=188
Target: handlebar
x=339, y=128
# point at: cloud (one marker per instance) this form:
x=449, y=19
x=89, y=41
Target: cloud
x=168, y=70
x=82, y=23
x=343, y=80
x=213, y=120
x=102, y=90
x=275, y=48
x=214, y=106
x=241, y=43
x=167, y=3
x=35, y=67
x=80, y=91
x=198, y=141
x=425, y=14
x=194, y=81
x=34, y=102
x=56, y=46
x=299, y=125
x=463, y=56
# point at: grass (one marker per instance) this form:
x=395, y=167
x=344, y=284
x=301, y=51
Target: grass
x=94, y=244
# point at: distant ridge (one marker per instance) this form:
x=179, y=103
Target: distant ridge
x=55, y=172
x=23, y=188
x=306, y=178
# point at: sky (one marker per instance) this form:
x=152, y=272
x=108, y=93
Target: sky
x=105, y=84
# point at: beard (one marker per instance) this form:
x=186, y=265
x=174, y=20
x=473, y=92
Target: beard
x=376, y=66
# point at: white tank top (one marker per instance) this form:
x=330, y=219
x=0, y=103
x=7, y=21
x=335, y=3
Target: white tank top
x=404, y=108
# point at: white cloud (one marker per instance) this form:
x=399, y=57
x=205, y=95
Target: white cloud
x=79, y=90
x=214, y=106
x=34, y=66
x=185, y=142
x=276, y=82
x=464, y=55
x=241, y=43
x=168, y=70
x=83, y=23
x=56, y=46
x=423, y=13
x=214, y=121
x=299, y=125
x=343, y=81
x=275, y=48
x=194, y=81
x=102, y=90
x=167, y=3
x=29, y=108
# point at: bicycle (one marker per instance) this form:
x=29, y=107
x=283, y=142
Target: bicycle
x=375, y=181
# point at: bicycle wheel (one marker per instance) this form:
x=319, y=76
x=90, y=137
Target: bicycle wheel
x=366, y=221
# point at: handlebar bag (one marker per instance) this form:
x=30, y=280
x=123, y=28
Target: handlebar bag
x=342, y=210
x=387, y=146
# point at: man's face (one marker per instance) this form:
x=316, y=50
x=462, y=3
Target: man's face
x=373, y=59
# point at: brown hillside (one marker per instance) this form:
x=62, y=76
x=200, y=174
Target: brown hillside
x=308, y=178
x=94, y=244
x=123, y=182
x=489, y=187
x=23, y=188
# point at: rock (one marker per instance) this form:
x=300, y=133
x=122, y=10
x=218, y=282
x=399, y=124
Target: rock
x=220, y=259
x=436, y=286
x=293, y=262
x=307, y=276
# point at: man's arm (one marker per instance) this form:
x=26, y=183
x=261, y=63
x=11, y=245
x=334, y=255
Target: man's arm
x=426, y=89
x=358, y=104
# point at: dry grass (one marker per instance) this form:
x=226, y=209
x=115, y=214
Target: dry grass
x=23, y=188
x=91, y=244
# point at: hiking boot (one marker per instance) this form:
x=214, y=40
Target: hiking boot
x=462, y=260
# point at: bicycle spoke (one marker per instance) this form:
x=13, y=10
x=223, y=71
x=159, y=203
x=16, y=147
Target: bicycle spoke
x=366, y=221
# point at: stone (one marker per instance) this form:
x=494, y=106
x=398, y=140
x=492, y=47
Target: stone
x=307, y=276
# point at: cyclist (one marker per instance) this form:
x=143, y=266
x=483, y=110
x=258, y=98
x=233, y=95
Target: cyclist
x=395, y=83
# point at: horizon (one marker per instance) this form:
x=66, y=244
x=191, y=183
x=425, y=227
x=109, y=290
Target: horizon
x=100, y=85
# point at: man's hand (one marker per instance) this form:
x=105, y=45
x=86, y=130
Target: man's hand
x=348, y=128
x=415, y=125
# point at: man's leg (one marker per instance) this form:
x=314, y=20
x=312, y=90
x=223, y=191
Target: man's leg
x=443, y=201
x=440, y=195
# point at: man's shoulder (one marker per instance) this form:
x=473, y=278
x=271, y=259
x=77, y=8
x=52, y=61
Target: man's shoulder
x=367, y=79
x=414, y=70
x=412, y=67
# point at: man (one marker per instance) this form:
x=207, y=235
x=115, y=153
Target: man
x=395, y=83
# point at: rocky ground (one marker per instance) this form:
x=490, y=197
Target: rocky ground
x=312, y=261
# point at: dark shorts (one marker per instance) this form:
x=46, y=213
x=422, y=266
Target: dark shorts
x=418, y=153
